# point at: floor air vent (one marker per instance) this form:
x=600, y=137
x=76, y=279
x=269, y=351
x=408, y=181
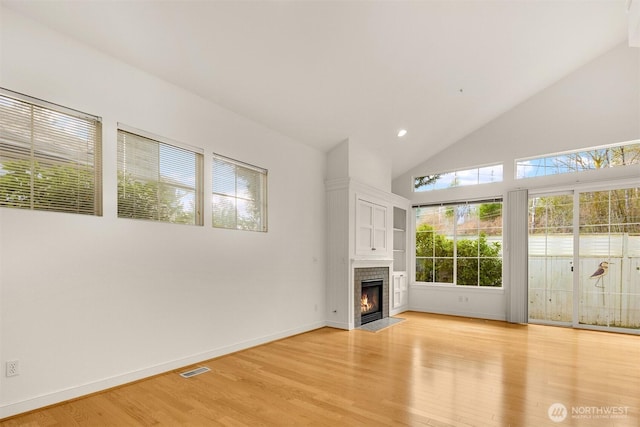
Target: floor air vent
x=194, y=372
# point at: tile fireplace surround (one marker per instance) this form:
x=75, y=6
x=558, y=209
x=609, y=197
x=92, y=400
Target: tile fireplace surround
x=369, y=273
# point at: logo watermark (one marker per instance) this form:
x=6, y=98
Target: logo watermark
x=558, y=412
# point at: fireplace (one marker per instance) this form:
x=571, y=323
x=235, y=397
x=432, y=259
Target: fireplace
x=371, y=301
x=371, y=283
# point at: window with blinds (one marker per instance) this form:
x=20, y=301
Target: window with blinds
x=50, y=156
x=158, y=180
x=239, y=199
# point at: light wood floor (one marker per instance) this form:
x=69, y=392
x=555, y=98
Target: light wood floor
x=429, y=370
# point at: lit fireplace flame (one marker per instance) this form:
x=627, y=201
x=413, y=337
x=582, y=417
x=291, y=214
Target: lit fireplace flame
x=365, y=304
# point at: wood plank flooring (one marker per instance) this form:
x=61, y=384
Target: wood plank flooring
x=430, y=370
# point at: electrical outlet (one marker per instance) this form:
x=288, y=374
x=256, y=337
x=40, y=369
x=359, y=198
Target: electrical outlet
x=13, y=368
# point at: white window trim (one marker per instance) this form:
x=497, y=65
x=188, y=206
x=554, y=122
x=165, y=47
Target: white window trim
x=442, y=285
x=199, y=217
x=468, y=169
x=98, y=165
x=265, y=203
x=568, y=152
x=159, y=138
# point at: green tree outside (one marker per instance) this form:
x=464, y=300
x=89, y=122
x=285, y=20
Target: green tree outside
x=37, y=185
x=71, y=188
x=151, y=200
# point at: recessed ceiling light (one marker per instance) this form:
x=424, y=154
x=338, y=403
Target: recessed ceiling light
x=401, y=133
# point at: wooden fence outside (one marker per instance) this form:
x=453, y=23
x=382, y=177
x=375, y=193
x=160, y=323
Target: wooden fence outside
x=612, y=300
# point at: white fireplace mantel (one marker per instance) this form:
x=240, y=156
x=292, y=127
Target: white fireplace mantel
x=370, y=262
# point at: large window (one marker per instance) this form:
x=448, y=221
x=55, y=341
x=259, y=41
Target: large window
x=158, y=180
x=459, y=178
x=624, y=154
x=239, y=199
x=50, y=157
x=460, y=244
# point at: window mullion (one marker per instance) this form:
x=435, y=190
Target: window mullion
x=478, y=246
x=455, y=247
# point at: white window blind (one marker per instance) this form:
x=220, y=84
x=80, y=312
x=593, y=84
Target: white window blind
x=517, y=256
x=239, y=199
x=158, y=181
x=50, y=156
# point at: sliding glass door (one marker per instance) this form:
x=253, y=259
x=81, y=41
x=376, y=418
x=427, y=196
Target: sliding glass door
x=551, y=258
x=609, y=259
x=584, y=259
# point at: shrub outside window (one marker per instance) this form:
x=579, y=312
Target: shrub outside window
x=460, y=244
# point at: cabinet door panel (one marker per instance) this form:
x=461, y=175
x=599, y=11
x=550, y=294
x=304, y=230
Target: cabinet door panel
x=380, y=228
x=371, y=229
x=400, y=290
x=365, y=214
x=396, y=291
x=365, y=229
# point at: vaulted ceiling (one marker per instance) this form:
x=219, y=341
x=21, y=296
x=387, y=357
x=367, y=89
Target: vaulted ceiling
x=324, y=71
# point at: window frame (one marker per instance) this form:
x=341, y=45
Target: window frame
x=456, y=237
x=550, y=157
x=263, y=193
x=62, y=152
x=167, y=142
x=455, y=175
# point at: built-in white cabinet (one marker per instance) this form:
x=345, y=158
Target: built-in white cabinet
x=361, y=234
x=399, y=290
x=399, y=239
x=399, y=278
x=372, y=234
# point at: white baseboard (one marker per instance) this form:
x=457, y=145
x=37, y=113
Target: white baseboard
x=15, y=408
x=338, y=325
x=398, y=310
x=472, y=314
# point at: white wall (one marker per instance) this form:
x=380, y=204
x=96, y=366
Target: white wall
x=338, y=161
x=91, y=302
x=354, y=160
x=595, y=105
x=369, y=166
